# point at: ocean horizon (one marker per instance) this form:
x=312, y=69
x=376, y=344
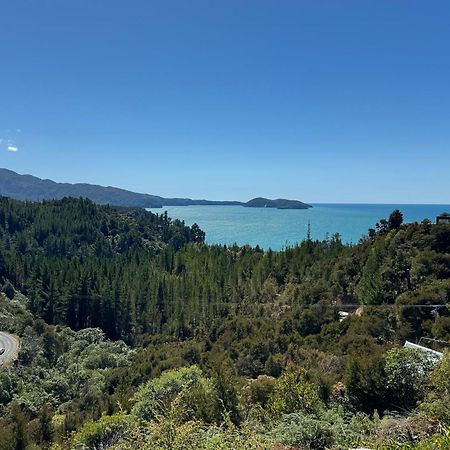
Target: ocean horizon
x=280, y=228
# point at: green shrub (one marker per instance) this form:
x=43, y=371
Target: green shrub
x=103, y=433
x=303, y=431
x=294, y=393
x=196, y=395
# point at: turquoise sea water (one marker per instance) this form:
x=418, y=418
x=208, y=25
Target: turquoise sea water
x=277, y=228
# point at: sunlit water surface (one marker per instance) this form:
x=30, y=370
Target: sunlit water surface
x=275, y=228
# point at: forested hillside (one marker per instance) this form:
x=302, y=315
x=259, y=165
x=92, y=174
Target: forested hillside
x=136, y=334
x=28, y=187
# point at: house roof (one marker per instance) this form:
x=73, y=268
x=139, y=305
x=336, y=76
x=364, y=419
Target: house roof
x=421, y=348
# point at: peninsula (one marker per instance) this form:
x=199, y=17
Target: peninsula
x=31, y=188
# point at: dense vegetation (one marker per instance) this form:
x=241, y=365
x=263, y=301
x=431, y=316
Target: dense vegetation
x=136, y=334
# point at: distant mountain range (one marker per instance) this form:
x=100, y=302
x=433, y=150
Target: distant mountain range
x=28, y=187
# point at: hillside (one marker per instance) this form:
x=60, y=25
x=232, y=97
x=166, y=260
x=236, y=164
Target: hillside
x=77, y=228
x=28, y=187
x=135, y=334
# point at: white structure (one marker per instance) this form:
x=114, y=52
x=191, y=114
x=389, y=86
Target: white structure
x=443, y=218
x=343, y=315
x=432, y=353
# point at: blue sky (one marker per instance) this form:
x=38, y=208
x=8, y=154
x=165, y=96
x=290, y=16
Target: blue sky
x=323, y=101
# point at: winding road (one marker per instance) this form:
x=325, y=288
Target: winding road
x=11, y=346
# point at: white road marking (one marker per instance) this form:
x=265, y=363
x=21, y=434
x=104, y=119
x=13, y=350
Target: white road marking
x=11, y=346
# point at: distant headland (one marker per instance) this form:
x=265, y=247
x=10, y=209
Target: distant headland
x=31, y=188
x=279, y=203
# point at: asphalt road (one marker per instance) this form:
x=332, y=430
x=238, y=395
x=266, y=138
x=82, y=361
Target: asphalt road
x=11, y=346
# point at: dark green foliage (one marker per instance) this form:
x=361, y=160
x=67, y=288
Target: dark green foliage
x=73, y=260
x=238, y=313
x=395, y=220
x=366, y=383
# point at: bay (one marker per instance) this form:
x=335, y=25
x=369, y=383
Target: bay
x=274, y=228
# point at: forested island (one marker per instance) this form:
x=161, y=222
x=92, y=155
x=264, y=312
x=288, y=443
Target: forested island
x=135, y=334
x=28, y=187
x=279, y=203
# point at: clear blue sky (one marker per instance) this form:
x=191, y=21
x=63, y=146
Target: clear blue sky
x=324, y=101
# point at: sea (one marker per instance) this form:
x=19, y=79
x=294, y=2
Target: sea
x=280, y=228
